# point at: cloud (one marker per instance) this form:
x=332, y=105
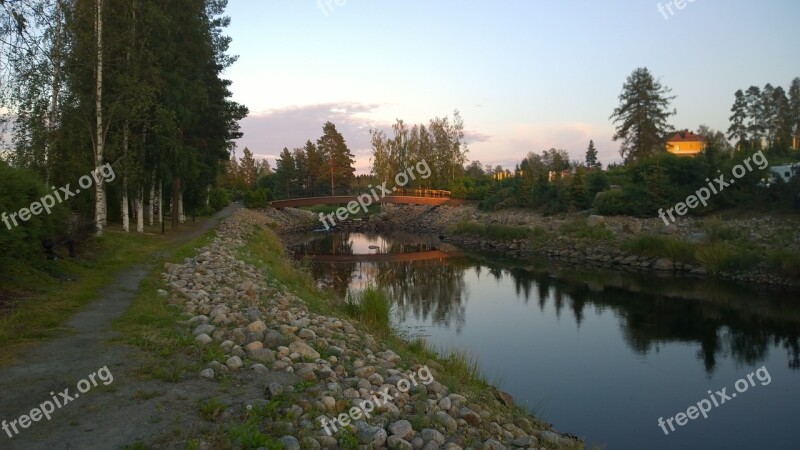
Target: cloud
x=517, y=139
x=267, y=133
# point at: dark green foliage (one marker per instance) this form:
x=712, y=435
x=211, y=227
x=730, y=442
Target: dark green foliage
x=641, y=117
x=257, y=198
x=218, y=198
x=18, y=190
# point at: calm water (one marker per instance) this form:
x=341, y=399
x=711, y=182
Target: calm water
x=599, y=355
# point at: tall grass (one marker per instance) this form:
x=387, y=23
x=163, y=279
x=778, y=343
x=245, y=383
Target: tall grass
x=492, y=231
x=580, y=229
x=719, y=257
x=661, y=247
x=784, y=262
x=717, y=231
x=371, y=306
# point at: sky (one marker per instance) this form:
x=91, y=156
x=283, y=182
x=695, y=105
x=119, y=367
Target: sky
x=524, y=75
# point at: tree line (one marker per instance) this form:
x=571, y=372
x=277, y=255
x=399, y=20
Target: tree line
x=134, y=83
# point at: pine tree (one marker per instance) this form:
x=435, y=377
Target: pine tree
x=642, y=116
x=591, y=157
x=338, y=159
x=794, y=110
x=285, y=176
x=249, y=171
x=738, y=129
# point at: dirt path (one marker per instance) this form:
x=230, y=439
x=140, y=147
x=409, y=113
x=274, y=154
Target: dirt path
x=106, y=416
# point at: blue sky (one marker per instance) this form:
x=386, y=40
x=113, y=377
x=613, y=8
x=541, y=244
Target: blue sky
x=525, y=75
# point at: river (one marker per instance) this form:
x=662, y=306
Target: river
x=602, y=355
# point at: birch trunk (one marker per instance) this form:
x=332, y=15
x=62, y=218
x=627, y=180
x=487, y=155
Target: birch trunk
x=151, y=211
x=100, y=192
x=140, y=212
x=160, y=203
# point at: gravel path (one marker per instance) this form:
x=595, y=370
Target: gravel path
x=105, y=416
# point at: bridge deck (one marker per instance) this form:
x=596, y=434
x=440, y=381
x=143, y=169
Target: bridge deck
x=344, y=199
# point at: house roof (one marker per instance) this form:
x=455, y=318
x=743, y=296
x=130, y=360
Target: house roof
x=686, y=136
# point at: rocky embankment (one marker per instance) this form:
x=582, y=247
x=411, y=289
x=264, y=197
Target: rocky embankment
x=556, y=237
x=311, y=366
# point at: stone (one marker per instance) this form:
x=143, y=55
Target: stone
x=595, y=220
x=401, y=429
x=397, y=443
x=253, y=346
x=207, y=373
x=663, y=264
x=290, y=443
x=234, y=363
x=257, y=327
x=304, y=350
x=203, y=339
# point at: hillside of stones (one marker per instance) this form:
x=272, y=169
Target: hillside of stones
x=309, y=365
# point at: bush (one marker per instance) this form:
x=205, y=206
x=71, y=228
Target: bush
x=218, y=198
x=611, y=203
x=18, y=190
x=257, y=198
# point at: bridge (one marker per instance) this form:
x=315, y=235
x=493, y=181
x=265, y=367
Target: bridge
x=380, y=257
x=430, y=197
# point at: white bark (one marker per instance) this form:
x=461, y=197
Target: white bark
x=140, y=212
x=151, y=210
x=181, y=216
x=100, y=192
x=126, y=223
x=160, y=203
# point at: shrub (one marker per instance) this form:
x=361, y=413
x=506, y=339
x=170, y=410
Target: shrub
x=218, y=198
x=18, y=190
x=257, y=198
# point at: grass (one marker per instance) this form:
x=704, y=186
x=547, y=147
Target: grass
x=48, y=293
x=784, y=262
x=717, y=231
x=720, y=257
x=717, y=256
x=492, y=231
x=578, y=228
x=661, y=247
x=370, y=306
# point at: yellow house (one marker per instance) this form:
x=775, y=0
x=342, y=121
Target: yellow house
x=685, y=143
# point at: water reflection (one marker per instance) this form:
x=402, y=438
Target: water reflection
x=723, y=321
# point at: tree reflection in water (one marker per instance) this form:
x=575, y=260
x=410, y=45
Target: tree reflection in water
x=721, y=319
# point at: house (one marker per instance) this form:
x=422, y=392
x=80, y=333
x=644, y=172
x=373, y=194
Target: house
x=784, y=173
x=685, y=143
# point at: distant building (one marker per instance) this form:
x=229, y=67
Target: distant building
x=685, y=143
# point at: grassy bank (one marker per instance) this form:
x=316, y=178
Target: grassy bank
x=41, y=295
